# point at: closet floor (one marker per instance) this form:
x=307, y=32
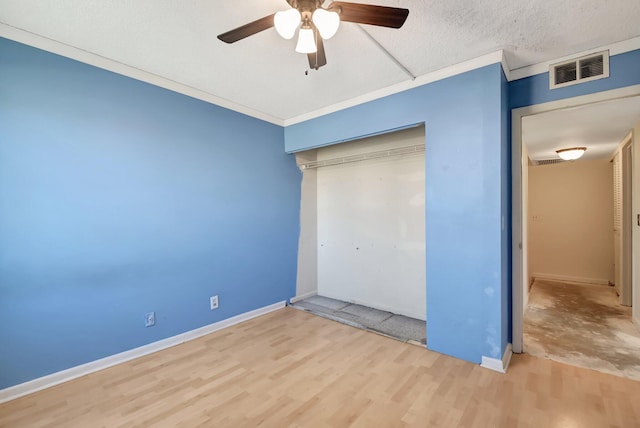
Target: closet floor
x=396, y=326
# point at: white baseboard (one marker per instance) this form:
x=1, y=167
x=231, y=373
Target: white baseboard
x=53, y=379
x=506, y=357
x=497, y=365
x=303, y=296
x=565, y=278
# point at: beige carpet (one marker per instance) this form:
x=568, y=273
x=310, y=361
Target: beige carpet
x=582, y=325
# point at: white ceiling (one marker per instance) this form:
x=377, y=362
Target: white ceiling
x=599, y=127
x=176, y=40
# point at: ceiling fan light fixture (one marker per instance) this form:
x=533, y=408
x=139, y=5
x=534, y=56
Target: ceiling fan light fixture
x=327, y=22
x=306, y=41
x=572, y=153
x=287, y=22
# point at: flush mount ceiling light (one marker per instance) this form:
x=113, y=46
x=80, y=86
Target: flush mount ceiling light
x=316, y=24
x=572, y=153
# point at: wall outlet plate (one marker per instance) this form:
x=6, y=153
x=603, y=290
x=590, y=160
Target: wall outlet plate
x=213, y=301
x=150, y=319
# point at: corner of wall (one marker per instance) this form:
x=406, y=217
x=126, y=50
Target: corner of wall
x=498, y=365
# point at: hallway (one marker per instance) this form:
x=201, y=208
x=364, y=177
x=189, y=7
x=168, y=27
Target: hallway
x=582, y=325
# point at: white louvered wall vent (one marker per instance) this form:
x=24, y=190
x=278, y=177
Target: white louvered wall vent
x=547, y=161
x=579, y=70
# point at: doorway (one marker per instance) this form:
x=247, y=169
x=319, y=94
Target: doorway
x=522, y=272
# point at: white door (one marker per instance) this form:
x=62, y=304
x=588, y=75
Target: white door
x=622, y=223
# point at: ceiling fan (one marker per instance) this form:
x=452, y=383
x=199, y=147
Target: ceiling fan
x=317, y=24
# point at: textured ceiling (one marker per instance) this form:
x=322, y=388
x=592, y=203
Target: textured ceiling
x=599, y=127
x=177, y=40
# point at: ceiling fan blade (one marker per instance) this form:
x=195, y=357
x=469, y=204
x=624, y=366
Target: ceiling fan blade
x=247, y=29
x=383, y=16
x=318, y=58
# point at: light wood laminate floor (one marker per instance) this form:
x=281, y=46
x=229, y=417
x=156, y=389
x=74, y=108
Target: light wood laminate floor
x=290, y=368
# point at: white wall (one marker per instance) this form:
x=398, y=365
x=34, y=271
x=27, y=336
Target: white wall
x=307, y=275
x=571, y=220
x=371, y=226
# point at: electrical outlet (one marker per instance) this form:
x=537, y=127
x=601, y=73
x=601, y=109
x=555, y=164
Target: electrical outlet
x=213, y=301
x=150, y=319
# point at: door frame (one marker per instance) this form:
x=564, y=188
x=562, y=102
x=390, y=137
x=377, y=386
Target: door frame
x=519, y=275
x=626, y=153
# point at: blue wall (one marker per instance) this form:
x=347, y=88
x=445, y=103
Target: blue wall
x=118, y=198
x=465, y=178
x=624, y=70
x=506, y=191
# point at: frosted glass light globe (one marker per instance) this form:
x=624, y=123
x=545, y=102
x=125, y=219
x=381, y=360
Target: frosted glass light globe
x=327, y=22
x=306, y=41
x=287, y=22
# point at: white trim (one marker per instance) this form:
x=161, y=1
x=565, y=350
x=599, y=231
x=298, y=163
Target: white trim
x=505, y=66
x=517, y=295
x=565, y=278
x=303, y=296
x=40, y=42
x=50, y=45
x=516, y=199
x=53, y=379
x=498, y=365
x=463, y=67
x=506, y=357
x=494, y=364
x=626, y=140
x=543, y=67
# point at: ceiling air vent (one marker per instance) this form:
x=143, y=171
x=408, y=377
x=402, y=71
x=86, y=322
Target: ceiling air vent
x=579, y=70
x=547, y=161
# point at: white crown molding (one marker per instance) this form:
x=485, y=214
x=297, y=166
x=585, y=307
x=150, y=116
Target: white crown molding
x=453, y=70
x=40, y=42
x=543, y=67
x=505, y=66
x=57, y=378
x=50, y=45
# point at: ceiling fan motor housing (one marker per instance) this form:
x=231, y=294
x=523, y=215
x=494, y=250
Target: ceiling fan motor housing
x=305, y=5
